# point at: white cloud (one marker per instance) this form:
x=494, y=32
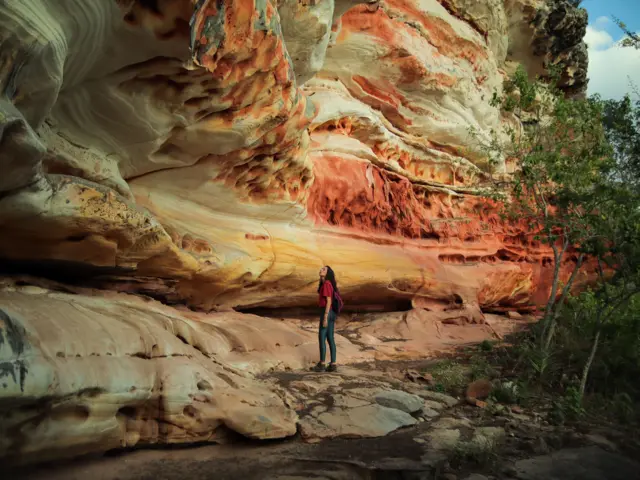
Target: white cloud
x=597, y=39
x=602, y=22
x=610, y=66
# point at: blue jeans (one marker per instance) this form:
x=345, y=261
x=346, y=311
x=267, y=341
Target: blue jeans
x=326, y=334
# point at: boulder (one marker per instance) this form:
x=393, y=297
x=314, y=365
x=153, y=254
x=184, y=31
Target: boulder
x=109, y=371
x=400, y=400
x=359, y=422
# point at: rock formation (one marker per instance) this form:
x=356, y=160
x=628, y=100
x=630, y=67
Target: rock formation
x=215, y=154
x=84, y=371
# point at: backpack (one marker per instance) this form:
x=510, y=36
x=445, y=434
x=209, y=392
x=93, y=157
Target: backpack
x=336, y=302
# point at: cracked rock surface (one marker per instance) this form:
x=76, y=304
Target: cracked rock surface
x=86, y=371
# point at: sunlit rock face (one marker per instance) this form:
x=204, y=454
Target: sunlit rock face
x=217, y=153
x=82, y=374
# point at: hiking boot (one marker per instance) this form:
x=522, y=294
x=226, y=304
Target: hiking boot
x=332, y=368
x=319, y=367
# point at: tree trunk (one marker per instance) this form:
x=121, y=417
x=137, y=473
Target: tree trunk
x=554, y=284
x=587, y=366
x=550, y=333
x=548, y=318
x=558, y=307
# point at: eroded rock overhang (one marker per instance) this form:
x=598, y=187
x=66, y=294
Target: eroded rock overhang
x=217, y=153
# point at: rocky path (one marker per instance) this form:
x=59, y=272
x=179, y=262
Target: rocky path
x=368, y=424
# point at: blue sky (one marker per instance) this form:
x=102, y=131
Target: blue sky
x=626, y=10
x=612, y=69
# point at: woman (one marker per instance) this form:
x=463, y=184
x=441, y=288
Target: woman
x=326, y=287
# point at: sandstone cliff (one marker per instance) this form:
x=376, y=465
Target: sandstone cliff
x=215, y=154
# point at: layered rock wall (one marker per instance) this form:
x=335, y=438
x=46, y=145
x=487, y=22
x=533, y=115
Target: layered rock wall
x=217, y=153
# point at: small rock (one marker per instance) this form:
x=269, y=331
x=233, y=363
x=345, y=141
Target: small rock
x=433, y=405
x=442, y=439
x=540, y=446
x=412, y=375
x=415, y=376
x=514, y=315
x=479, y=390
x=419, y=440
x=448, y=400
x=429, y=412
x=521, y=418
x=449, y=476
x=399, y=400
x=477, y=403
x=318, y=410
x=348, y=402
x=509, y=470
x=450, y=422
x=476, y=476
x=601, y=441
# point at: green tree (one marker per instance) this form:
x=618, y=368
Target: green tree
x=563, y=155
x=616, y=250
x=621, y=120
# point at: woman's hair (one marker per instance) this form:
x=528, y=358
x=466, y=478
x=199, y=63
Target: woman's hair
x=331, y=277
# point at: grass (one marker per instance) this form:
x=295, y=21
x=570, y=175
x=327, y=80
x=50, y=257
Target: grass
x=522, y=375
x=450, y=376
x=482, y=454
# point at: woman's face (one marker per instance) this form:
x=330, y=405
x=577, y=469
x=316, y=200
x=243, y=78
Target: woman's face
x=323, y=272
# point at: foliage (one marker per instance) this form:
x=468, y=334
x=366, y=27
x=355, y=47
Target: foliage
x=621, y=121
x=479, y=453
x=615, y=321
x=567, y=407
x=631, y=39
x=486, y=346
x=564, y=155
x=578, y=192
x=506, y=392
